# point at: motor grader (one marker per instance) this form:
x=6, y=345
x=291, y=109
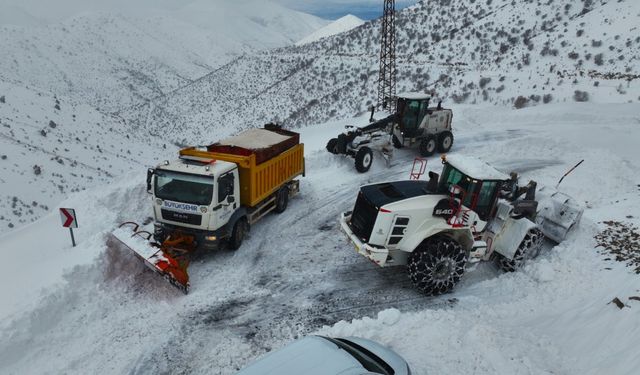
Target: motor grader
x=470, y=213
x=413, y=123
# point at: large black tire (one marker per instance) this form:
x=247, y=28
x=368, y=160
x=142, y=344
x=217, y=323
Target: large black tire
x=364, y=159
x=396, y=142
x=437, y=265
x=331, y=145
x=529, y=248
x=428, y=146
x=282, y=200
x=445, y=141
x=237, y=234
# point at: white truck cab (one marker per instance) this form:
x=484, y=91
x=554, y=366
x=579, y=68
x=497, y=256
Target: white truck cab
x=199, y=198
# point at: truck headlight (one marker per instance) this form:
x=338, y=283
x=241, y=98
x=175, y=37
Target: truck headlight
x=210, y=238
x=203, y=209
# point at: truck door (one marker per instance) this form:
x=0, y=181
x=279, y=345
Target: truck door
x=227, y=199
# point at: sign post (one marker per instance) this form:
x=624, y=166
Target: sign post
x=68, y=218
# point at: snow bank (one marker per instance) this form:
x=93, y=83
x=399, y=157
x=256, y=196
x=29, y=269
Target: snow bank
x=554, y=317
x=41, y=253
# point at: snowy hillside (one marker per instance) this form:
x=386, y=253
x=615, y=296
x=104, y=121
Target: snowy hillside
x=94, y=309
x=504, y=52
x=113, y=60
x=52, y=146
x=341, y=25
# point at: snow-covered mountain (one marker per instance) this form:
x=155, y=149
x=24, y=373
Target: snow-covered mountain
x=113, y=57
x=504, y=52
x=341, y=25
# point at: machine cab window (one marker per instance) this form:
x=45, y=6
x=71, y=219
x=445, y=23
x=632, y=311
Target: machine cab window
x=411, y=111
x=476, y=194
x=225, y=187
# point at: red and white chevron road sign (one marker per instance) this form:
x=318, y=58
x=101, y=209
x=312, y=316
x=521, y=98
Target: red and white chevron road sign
x=68, y=218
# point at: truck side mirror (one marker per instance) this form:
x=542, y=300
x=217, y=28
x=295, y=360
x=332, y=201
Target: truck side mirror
x=150, y=173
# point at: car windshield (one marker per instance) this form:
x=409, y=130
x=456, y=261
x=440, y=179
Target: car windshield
x=183, y=188
x=368, y=360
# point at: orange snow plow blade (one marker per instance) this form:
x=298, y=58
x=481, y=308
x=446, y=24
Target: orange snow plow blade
x=169, y=259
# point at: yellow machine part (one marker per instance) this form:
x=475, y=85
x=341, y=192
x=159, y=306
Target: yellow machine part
x=257, y=182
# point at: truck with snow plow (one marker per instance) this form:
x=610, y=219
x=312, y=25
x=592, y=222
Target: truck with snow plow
x=471, y=213
x=212, y=195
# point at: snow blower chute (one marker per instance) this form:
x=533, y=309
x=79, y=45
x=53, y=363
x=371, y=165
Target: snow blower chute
x=169, y=259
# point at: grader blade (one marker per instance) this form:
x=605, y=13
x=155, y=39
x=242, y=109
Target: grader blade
x=557, y=214
x=169, y=259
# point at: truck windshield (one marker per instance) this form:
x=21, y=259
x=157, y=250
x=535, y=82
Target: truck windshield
x=183, y=188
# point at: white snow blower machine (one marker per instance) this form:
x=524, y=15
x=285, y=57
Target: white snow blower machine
x=413, y=123
x=212, y=195
x=471, y=213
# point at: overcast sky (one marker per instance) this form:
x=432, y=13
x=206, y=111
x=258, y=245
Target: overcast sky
x=332, y=9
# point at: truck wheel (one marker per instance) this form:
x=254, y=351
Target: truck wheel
x=437, y=265
x=282, y=200
x=529, y=248
x=428, y=146
x=237, y=234
x=331, y=145
x=445, y=141
x=364, y=159
x=396, y=142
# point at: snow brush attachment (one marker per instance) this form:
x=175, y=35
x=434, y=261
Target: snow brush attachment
x=169, y=259
x=557, y=214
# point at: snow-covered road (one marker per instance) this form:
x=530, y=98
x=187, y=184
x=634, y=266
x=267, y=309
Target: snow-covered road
x=105, y=313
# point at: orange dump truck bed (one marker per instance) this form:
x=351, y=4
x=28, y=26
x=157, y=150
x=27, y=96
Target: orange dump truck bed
x=267, y=159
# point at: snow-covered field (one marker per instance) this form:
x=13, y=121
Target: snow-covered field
x=94, y=309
